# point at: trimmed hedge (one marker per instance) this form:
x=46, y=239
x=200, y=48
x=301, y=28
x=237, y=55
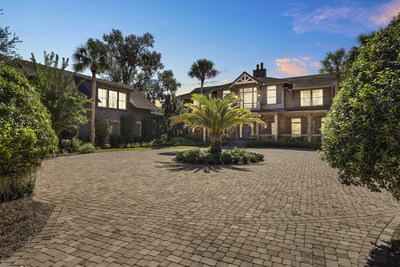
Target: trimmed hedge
x=235, y=156
x=103, y=130
x=128, y=126
x=284, y=143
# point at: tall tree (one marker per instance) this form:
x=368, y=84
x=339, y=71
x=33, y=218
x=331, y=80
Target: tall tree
x=353, y=53
x=202, y=69
x=92, y=55
x=166, y=84
x=172, y=106
x=133, y=61
x=59, y=93
x=362, y=132
x=334, y=64
x=217, y=115
x=8, y=41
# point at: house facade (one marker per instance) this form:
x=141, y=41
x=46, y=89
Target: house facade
x=292, y=108
x=113, y=101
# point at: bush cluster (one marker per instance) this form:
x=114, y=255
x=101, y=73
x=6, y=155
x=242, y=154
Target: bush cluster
x=235, y=156
x=103, y=130
x=26, y=136
x=128, y=126
x=284, y=143
x=75, y=145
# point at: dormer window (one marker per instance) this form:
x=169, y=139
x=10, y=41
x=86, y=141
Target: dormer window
x=111, y=99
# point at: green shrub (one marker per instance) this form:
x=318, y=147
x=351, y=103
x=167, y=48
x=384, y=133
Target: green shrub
x=162, y=141
x=86, y=148
x=236, y=156
x=76, y=143
x=103, y=130
x=66, y=145
x=107, y=146
x=128, y=126
x=362, y=131
x=148, y=129
x=284, y=143
x=116, y=141
x=26, y=136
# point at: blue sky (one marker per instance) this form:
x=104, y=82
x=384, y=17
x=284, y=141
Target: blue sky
x=290, y=37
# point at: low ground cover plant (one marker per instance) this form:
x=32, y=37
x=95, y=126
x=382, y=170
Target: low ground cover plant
x=284, y=143
x=235, y=156
x=75, y=145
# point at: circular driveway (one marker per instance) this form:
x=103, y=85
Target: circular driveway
x=140, y=208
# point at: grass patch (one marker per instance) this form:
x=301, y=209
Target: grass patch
x=284, y=144
x=20, y=220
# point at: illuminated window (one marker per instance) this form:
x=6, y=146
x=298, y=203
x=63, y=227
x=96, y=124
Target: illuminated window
x=121, y=100
x=305, y=98
x=225, y=92
x=112, y=99
x=249, y=95
x=272, y=127
x=103, y=98
x=322, y=123
x=296, y=126
x=271, y=94
x=317, y=97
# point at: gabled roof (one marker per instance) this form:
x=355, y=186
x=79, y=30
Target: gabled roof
x=245, y=78
x=206, y=90
x=311, y=81
x=85, y=86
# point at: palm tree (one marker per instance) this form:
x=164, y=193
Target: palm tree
x=202, y=69
x=334, y=63
x=217, y=115
x=93, y=55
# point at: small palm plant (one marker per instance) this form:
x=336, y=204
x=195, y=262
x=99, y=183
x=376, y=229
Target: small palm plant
x=217, y=115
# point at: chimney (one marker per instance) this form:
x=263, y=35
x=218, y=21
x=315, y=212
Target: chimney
x=260, y=72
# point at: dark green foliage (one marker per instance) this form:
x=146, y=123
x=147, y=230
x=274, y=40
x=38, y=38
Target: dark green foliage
x=148, y=129
x=172, y=106
x=7, y=45
x=26, y=136
x=86, y=148
x=284, y=143
x=75, y=145
x=128, y=126
x=103, y=130
x=162, y=141
x=235, y=156
x=59, y=93
x=117, y=141
x=362, y=130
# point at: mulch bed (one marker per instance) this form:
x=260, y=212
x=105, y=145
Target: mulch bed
x=20, y=220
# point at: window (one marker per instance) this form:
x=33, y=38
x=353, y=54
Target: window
x=322, y=123
x=121, y=100
x=312, y=97
x=249, y=95
x=272, y=127
x=317, y=97
x=225, y=92
x=112, y=100
x=102, y=98
x=296, y=126
x=305, y=98
x=271, y=94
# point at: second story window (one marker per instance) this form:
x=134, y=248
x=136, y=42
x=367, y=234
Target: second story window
x=103, y=98
x=312, y=97
x=225, y=92
x=271, y=94
x=112, y=100
x=305, y=98
x=121, y=100
x=317, y=97
x=249, y=95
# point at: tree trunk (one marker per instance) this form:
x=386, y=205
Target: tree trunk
x=201, y=92
x=93, y=112
x=216, y=143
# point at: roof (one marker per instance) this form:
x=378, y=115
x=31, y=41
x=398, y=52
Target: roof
x=317, y=80
x=206, y=90
x=85, y=86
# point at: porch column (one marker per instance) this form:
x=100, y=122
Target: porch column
x=204, y=135
x=276, y=121
x=257, y=131
x=309, y=127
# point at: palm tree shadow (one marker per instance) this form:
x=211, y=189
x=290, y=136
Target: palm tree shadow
x=387, y=254
x=178, y=167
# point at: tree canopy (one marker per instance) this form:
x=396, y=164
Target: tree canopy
x=202, y=69
x=8, y=42
x=59, y=93
x=362, y=132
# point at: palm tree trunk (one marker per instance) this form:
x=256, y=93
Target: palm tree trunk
x=93, y=113
x=216, y=143
x=201, y=92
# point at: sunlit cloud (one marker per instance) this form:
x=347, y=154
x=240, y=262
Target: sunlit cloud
x=292, y=66
x=315, y=64
x=224, y=81
x=342, y=17
x=306, y=58
x=386, y=12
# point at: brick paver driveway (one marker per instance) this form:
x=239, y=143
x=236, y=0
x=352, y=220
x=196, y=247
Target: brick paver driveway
x=139, y=208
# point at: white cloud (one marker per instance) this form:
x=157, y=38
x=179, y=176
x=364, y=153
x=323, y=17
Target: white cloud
x=292, y=66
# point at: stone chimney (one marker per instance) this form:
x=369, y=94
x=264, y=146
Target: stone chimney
x=260, y=72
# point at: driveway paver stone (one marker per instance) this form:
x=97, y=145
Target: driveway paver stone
x=140, y=208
